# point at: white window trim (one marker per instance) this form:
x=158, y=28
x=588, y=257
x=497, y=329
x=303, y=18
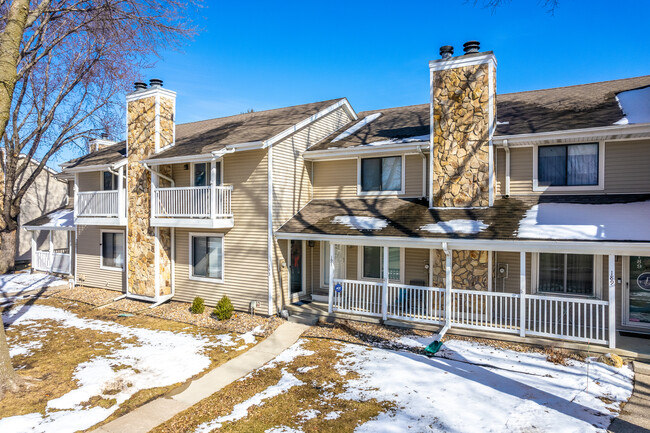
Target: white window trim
x=360, y=266
x=625, y=297
x=601, y=171
x=597, y=278
x=402, y=191
x=191, y=258
x=208, y=163
x=101, y=250
x=324, y=263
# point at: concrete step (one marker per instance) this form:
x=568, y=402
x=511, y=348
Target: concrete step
x=303, y=318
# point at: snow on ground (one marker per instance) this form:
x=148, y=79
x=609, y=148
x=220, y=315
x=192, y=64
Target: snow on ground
x=282, y=429
x=286, y=382
x=157, y=359
x=471, y=387
x=456, y=226
x=635, y=105
x=10, y=284
x=361, y=222
x=570, y=221
x=357, y=126
x=289, y=355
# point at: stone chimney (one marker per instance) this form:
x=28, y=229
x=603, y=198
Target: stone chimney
x=150, y=129
x=463, y=102
x=100, y=143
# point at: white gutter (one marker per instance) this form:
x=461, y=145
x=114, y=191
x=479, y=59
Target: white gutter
x=205, y=157
x=97, y=167
x=507, y=149
x=167, y=178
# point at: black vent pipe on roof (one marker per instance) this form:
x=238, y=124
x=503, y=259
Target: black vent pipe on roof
x=446, y=51
x=139, y=85
x=155, y=82
x=471, y=47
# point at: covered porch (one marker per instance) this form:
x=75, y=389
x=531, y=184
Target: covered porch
x=53, y=237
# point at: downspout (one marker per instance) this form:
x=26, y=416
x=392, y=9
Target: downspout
x=507, y=149
x=424, y=172
x=167, y=178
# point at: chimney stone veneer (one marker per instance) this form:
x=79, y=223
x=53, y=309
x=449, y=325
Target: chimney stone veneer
x=463, y=102
x=150, y=128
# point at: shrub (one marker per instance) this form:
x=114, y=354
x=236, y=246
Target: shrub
x=198, y=306
x=611, y=359
x=224, y=309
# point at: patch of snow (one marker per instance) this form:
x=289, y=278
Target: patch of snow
x=308, y=414
x=22, y=282
x=306, y=369
x=603, y=222
x=503, y=123
x=415, y=139
x=360, y=222
x=357, y=126
x=282, y=429
x=456, y=226
x=333, y=415
x=289, y=355
x=532, y=393
x=286, y=382
x=635, y=105
x=24, y=348
x=249, y=337
x=63, y=218
x=156, y=358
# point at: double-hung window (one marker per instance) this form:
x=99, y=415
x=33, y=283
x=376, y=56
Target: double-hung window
x=207, y=256
x=568, y=165
x=112, y=250
x=373, y=263
x=381, y=174
x=109, y=181
x=202, y=172
x=566, y=273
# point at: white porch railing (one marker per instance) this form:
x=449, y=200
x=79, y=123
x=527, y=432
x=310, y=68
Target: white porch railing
x=485, y=310
x=416, y=303
x=55, y=262
x=97, y=204
x=574, y=319
x=358, y=297
x=193, y=202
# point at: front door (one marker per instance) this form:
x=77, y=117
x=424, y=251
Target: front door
x=296, y=258
x=638, y=292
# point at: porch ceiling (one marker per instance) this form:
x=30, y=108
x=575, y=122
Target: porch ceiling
x=610, y=218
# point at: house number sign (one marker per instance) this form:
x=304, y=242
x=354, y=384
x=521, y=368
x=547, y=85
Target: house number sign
x=643, y=281
x=339, y=288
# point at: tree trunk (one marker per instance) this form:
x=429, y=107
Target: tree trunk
x=7, y=251
x=9, y=379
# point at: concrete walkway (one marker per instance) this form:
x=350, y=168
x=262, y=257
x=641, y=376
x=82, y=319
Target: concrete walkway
x=635, y=416
x=158, y=411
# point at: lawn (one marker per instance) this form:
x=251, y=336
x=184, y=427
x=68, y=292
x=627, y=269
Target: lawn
x=88, y=365
x=326, y=384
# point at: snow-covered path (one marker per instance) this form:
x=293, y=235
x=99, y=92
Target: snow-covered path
x=12, y=284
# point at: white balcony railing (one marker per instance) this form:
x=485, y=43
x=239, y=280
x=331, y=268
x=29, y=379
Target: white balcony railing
x=97, y=204
x=192, y=202
x=51, y=262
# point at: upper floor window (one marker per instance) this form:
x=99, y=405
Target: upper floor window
x=202, y=172
x=566, y=273
x=109, y=181
x=568, y=165
x=381, y=174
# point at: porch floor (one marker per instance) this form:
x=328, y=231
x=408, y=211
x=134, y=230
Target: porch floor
x=626, y=346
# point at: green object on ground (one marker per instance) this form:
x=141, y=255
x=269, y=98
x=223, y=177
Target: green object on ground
x=125, y=315
x=432, y=348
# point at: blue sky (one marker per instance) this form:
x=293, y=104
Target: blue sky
x=264, y=55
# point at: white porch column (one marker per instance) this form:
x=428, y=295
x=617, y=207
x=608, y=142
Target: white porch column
x=448, y=283
x=121, y=202
x=76, y=193
x=50, y=260
x=522, y=294
x=69, y=252
x=611, y=298
x=330, y=300
x=33, y=249
x=213, y=188
x=384, y=293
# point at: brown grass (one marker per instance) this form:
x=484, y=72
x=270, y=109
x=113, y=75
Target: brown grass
x=319, y=391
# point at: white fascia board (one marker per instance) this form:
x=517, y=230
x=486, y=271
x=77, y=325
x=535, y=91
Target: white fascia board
x=99, y=167
x=298, y=126
x=352, y=152
x=460, y=61
x=49, y=228
x=614, y=132
x=537, y=246
x=150, y=92
x=204, y=157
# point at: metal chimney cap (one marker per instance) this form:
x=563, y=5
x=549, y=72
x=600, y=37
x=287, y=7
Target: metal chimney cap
x=471, y=47
x=446, y=51
x=104, y=135
x=155, y=82
x=139, y=85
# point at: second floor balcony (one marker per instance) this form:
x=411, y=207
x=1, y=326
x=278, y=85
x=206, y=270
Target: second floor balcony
x=100, y=207
x=192, y=206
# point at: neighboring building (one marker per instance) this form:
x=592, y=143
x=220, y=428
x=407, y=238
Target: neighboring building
x=46, y=194
x=528, y=216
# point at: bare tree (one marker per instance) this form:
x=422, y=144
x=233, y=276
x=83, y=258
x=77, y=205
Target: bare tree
x=64, y=67
x=549, y=5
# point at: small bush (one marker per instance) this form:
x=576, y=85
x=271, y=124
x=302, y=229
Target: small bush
x=198, y=306
x=224, y=309
x=611, y=359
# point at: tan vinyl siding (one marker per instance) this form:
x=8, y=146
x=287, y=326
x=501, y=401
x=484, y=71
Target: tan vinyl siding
x=338, y=179
x=245, y=245
x=351, y=272
x=625, y=169
x=90, y=181
x=415, y=260
x=335, y=179
x=512, y=282
x=89, y=272
x=501, y=172
x=180, y=175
